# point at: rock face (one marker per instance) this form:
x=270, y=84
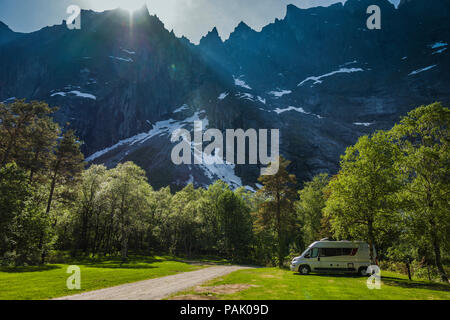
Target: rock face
x=319, y=75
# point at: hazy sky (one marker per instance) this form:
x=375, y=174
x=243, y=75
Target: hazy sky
x=192, y=18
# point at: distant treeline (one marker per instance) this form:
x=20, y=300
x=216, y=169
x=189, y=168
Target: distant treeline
x=392, y=190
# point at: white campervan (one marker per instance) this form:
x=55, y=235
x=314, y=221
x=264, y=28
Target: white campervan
x=325, y=255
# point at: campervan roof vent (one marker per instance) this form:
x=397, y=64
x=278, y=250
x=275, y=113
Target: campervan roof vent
x=324, y=239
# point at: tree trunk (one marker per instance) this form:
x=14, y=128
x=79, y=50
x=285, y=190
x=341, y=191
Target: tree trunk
x=371, y=242
x=408, y=267
x=280, y=249
x=33, y=169
x=437, y=257
x=124, y=249
x=52, y=188
x=84, y=232
x=40, y=247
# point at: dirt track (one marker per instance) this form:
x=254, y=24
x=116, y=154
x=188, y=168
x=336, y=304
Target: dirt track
x=156, y=289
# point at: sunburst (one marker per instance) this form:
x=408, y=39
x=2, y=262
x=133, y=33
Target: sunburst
x=132, y=5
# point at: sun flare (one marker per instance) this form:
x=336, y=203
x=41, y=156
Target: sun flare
x=132, y=5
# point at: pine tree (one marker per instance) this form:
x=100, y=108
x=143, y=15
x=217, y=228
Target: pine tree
x=66, y=165
x=277, y=212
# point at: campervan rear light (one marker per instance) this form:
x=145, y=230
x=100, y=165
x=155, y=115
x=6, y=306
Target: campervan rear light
x=376, y=260
x=354, y=251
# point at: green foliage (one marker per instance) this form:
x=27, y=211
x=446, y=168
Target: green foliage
x=234, y=224
x=29, y=137
x=423, y=138
x=392, y=190
x=403, y=250
x=312, y=200
x=22, y=221
x=276, y=213
x=23, y=127
x=362, y=201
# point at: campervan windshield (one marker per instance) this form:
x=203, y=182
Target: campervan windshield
x=306, y=252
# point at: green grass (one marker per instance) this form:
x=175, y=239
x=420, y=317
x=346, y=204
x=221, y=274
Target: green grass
x=276, y=284
x=49, y=281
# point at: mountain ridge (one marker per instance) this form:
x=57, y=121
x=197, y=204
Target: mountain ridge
x=318, y=75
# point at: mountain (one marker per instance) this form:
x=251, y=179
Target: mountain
x=6, y=34
x=319, y=75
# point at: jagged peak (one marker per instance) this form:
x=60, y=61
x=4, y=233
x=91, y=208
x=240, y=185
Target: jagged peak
x=213, y=32
x=142, y=11
x=242, y=26
x=292, y=8
x=4, y=27
x=366, y=3
x=211, y=36
x=423, y=3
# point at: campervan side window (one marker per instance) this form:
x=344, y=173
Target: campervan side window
x=314, y=252
x=330, y=252
x=346, y=251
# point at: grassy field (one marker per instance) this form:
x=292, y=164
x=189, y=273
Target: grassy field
x=274, y=284
x=49, y=281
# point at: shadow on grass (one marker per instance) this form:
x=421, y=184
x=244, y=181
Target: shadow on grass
x=405, y=283
x=29, y=269
x=134, y=262
x=391, y=281
x=333, y=275
x=115, y=262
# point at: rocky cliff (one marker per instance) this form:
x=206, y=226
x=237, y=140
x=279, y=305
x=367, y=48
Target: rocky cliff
x=319, y=75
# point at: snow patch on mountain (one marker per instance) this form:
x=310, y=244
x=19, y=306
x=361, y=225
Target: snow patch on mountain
x=128, y=51
x=438, y=44
x=245, y=95
x=250, y=189
x=422, y=70
x=365, y=124
x=223, y=95
x=76, y=93
x=279, y=93
x=317, y=80
x=300, y=109
x=10, y=100
x=164, y=127
x=183, y=107
x=241, y=83
x=440, y=50
x=215, y=168
x=122, y=59
x=348, y=63
x=262, y=100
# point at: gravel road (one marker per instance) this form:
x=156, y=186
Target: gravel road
x=158, y=288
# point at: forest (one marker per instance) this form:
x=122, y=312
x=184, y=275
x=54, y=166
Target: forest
x=392, y=190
